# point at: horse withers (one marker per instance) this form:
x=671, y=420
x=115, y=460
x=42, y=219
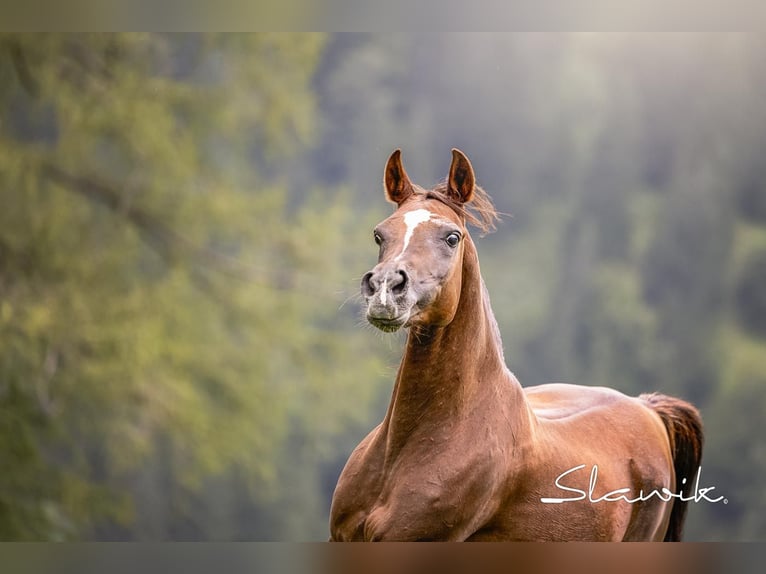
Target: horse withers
x=464, y=452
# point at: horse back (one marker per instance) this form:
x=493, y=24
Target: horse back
x=587, y=427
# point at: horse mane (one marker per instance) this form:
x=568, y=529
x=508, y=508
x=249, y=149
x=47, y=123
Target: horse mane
x=480, y=211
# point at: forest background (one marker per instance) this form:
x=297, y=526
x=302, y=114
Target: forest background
x=184, y=220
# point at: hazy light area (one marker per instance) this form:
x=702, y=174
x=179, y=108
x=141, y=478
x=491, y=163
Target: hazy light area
x=420, y=17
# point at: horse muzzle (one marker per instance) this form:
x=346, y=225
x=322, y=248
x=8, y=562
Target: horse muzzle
x=386, y=290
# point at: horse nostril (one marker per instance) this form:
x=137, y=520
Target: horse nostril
x=399, y=284
x=368, y=290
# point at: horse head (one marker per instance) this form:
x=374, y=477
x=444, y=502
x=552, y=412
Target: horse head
x=417, y=279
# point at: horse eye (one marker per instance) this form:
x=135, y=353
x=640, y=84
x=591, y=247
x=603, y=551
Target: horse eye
x=453, y=239
x=378, y=238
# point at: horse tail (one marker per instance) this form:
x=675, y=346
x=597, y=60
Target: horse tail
x=684, y=427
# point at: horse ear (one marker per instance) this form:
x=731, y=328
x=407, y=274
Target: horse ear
x=395, y=180
x=461, y=180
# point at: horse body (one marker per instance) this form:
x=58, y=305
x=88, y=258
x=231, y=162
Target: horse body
x=464, y=452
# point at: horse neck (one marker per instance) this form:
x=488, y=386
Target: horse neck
x=447, y=372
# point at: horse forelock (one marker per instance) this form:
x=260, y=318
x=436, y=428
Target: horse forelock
x=480, y=211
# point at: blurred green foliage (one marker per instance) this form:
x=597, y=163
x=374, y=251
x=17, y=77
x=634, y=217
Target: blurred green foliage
x=184, y=220
x=163, y=312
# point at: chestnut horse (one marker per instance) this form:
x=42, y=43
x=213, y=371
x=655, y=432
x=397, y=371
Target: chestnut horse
x=464, y=452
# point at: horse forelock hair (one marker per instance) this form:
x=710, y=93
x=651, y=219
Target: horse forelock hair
x=479, y=212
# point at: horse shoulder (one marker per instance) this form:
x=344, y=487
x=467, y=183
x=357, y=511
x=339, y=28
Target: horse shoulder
x=357, y=489
x=440, y=489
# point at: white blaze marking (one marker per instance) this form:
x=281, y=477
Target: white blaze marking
x=412, y=219
x=383, y=292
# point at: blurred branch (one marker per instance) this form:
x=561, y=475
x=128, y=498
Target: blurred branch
x=162, y=238
x=22, y=68
x=82, y=68
x=88, y=62
x=43, y=382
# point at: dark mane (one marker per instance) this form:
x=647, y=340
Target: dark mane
x=479, y=212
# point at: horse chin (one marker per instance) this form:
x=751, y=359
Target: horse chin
x=388, y=320
x=387, y=325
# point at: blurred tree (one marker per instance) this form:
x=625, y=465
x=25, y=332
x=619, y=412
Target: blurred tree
x=164, y=319
x=751, y=296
